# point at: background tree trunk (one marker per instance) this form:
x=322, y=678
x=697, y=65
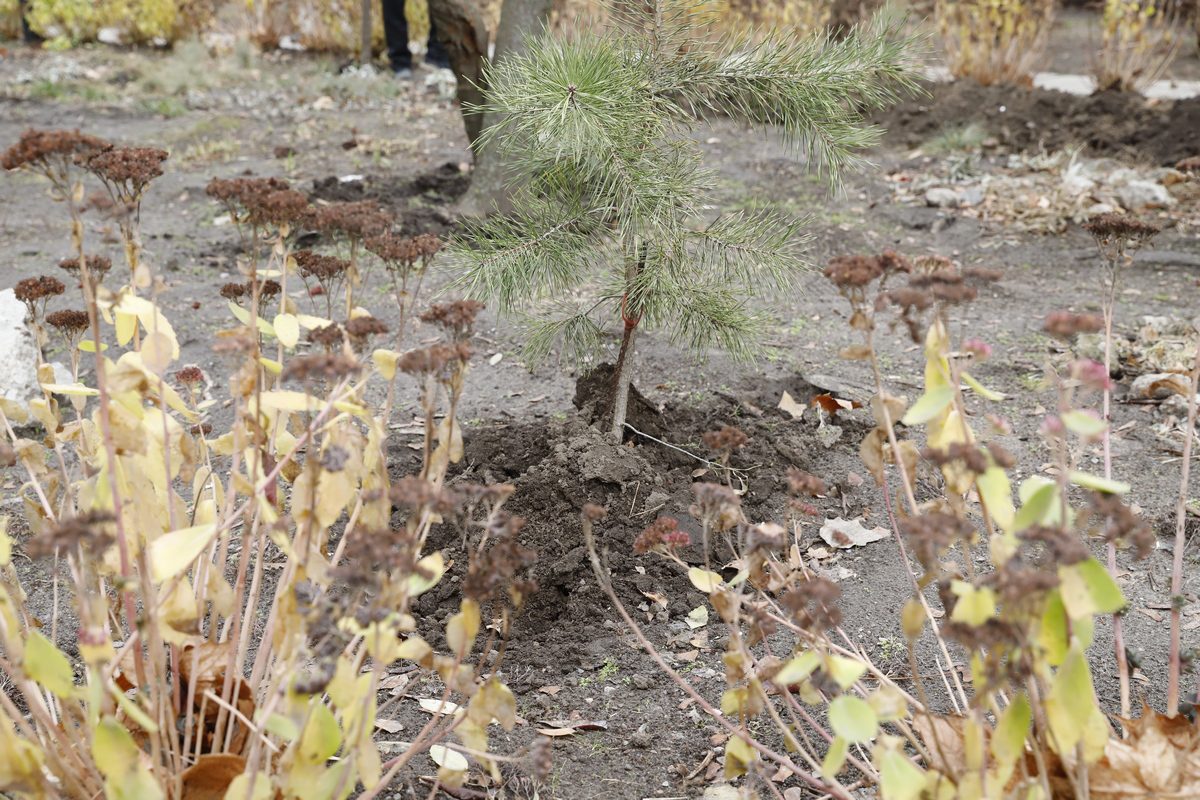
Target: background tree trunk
x=489, y=187
x=461, y=31
x=364, y=45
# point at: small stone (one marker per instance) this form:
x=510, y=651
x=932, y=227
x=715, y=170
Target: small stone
x=641, y=739
x=940, y=197
x=642, y=682
x=1137, y=195
x=18, y=353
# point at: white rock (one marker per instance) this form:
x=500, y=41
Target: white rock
x=18, y=353
x=1075, y=183
x=1136, y=195
x=940, y=197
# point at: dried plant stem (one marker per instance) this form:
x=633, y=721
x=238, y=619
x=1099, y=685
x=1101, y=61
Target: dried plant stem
x=910, y=496
x=1110, y=302
x=1174, y=661
x=832, y=789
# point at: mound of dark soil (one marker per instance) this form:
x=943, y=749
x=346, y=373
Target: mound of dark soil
x=1105, y=123
x=418, y=202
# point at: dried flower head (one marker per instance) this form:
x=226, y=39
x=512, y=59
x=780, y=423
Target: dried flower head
x=89, y=532
x=662, y=534
x=361, y=329
x=70, y=322
x=1122, y=226
x=127, y=170
x=277, y=207
x=456, y=318
x=328, y=336
x=494, y=571
x=269, y=289
x=234, y=291
x=853, y=271
x=38, y=149
x=593, y=512
x=765, y=537
x=932, y=533
x=805, y=483
x=33, y=290
x=322, y=267
x=1065, y=325
x=1090, y=374
x=395, y=251
x=434, y=360
x=321, y=366
x=1064, y=546
x=97, y=267
x=967, y=455
x=1120, y=525
x=363, y=219
x=725, y=440
x=716, y=505
x=190, y=376
x=812, y=604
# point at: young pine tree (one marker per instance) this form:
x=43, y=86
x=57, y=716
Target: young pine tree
x=612, y=188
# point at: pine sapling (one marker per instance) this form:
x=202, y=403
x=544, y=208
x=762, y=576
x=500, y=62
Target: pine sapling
x=609, y=220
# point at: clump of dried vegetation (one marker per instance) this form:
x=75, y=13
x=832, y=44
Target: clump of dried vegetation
x=1140, y=39
x=994, y=41
x=230, y=587
x=1003, y=580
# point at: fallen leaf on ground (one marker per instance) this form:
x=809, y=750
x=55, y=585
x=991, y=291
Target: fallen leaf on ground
x=575, y=724
x=846, y=533
x=432, y=705
x=697, y=617
x=788, y=404
x=389, y=725
x=550, y=690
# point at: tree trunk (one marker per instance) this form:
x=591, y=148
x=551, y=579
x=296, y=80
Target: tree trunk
x=489, y=191
x=624, y=381
x=364, y=45
x=462, y=33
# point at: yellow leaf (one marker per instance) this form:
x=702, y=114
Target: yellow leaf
x=70, y=389
x=321, y=737
x=704, y=580
x=385, y=362
x=240, y=788
x=1070, y=702
x=46, y=664
x=286, y=400
x=287, y=329
x=797, y=669
x=899, y=778
x=449, y=759
x=844, y=671
x=427, y=574
x=975, y=605
x=739, y=755
x=835, y=757
x=172, y=553
x=853, y=719
x=5, y=542
x=462, y=628
x=933, y=402
x=995, y=491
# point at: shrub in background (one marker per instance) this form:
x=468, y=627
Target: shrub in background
x=68, y=22
x=1140, y=40
x=994, y=41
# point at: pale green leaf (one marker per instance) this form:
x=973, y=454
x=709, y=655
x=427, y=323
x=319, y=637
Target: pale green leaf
x=929, y=405
x=853, y=719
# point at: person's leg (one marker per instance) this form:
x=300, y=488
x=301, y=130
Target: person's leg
x=27, y=34
x=395, y=30
x=436, y=55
